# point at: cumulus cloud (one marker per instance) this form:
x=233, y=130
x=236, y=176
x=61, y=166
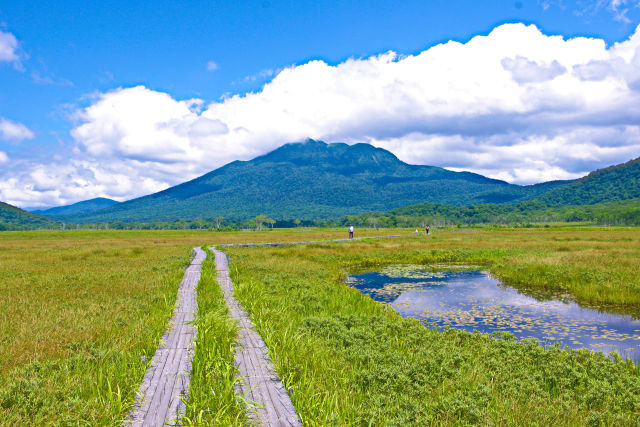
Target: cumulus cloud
x=3, y=157
x=141, y=124
x=9, y=49
x=59, y=183
x=515, y=104
x=12, y=131
x=525, y=71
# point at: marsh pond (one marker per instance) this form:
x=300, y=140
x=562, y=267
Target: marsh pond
x=465, y=297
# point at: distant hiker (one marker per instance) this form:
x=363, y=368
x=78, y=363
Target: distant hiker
x=426, y=229
x=351, y=231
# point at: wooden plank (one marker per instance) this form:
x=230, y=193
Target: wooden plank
x=167, y=379
x=267, y=399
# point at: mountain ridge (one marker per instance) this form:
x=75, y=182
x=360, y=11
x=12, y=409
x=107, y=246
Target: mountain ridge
x=313, y=180
x=613, y=183
x=14, y=218
x=84, y=206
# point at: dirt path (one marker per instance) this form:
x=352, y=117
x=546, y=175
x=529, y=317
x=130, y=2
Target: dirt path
x=166, y=382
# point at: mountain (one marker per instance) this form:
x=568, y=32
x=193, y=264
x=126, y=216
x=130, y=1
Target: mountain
x=77, y=208
x=619, y=182
x=314, y=180
x=12, y=218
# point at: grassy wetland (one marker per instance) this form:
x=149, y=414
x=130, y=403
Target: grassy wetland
x=349, y=360
x=79, y=314
x=212, y=400
x=82, y=314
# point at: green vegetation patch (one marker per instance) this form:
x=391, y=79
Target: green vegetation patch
x=212, y=400
x=348, y=360
x=81, y=316
x=12, y=218
x=82, y=313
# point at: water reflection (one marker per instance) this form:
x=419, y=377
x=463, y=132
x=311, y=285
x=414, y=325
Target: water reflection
x=473, y=300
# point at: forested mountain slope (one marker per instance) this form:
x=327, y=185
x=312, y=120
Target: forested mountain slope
x=314, y=180
x=78, y=208
x=12, y=218
x=619, y=182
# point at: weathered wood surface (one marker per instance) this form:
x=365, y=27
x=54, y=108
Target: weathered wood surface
x=166, y=382
x=268, y=400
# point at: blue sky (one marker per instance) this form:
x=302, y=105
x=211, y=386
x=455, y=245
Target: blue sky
x=74, y=76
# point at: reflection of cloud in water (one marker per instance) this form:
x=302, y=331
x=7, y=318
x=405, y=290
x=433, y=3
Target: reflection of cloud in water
x=473, y=300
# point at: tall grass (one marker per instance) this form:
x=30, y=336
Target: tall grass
x=82, y=313
x=350, y=361
x=80, y=318
x=212, y=399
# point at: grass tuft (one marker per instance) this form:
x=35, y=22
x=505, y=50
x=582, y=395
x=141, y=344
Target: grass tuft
x=212, y=400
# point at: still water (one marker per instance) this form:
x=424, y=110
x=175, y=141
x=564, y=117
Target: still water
x=470, y=299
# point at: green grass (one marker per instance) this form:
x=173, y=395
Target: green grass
x=350, y=361
x=80, y=309
x=212, y=400
x=82, y=312
x=78, y=312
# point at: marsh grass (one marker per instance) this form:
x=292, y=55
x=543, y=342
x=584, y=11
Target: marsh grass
x=80, y=318
x=212, y=400
x=82, y=313
x=350, y=361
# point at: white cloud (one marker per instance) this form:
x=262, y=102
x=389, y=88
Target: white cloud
x=9, y=48
x=617, y=8
x=524, y=71
x=620, y=8
x=41, y=79
x=3, y=157
x=12, y=131
x=261, y=75
x=515, y=104
x=212, y=66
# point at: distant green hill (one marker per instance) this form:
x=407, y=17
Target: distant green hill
x=314, y=180
x=12, y=218
x=621, y=212
x=77, y=208
x=620, y=182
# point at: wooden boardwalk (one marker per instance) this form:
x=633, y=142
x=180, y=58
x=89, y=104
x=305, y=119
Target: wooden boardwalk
x=159, y=399
x=166, y=382
x=268, y=400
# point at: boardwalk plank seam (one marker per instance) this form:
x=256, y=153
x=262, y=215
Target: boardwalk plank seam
x=160, y=397
x=159, y=400
x=267, y=399
x=260, y=386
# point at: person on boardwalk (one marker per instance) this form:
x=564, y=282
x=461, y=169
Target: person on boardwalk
x=351, y=231
x=426, y=229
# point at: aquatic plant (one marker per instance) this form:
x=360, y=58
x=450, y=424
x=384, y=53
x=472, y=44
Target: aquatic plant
x=350, y=361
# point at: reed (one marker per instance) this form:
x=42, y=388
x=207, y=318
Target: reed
x=82, y=313
x=212, y=399
x=350, y=361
